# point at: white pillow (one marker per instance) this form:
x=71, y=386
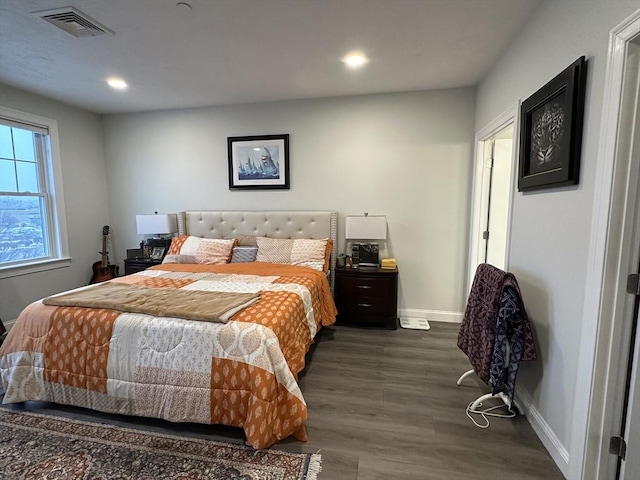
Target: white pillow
x=304, y=252
x=210, y=251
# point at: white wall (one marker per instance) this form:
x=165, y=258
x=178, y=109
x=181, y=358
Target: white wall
x=551, y=229
x=405, y=155
x=83, y=178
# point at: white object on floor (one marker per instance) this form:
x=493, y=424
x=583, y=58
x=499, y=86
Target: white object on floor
x=475, y=407
x=415, y=323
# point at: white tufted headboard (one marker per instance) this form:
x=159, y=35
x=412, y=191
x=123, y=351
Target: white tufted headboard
x=274, y=224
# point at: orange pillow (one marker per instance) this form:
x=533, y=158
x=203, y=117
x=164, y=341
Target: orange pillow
x=327, y=255
x=176, y=244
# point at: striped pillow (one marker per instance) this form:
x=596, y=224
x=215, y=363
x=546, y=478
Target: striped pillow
x=244, y=254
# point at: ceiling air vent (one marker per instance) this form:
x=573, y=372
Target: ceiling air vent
x=73, y=21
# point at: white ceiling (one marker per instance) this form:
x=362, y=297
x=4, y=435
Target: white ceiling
x=243, y=51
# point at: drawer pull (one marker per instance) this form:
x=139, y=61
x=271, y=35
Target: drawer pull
x=365, y=286
x=364, y=304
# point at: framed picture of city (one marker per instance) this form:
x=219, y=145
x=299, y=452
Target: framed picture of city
x=258, y=162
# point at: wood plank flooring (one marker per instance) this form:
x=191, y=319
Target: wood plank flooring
x=385, y=405
x=388, y=401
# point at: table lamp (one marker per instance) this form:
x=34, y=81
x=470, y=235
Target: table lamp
x=359, y=231
x=157, y=225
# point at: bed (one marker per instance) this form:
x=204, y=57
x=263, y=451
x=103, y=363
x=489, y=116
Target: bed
x=191, y=340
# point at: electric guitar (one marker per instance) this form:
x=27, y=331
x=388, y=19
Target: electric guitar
x=102, y=271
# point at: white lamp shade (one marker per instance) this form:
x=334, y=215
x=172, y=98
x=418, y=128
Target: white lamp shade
x=366, y=227
x=159, y=224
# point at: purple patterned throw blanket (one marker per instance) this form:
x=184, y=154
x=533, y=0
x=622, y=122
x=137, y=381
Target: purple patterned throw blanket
x=495, y=333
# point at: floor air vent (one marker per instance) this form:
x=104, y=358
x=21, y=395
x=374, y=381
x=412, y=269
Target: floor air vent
x=73, y=21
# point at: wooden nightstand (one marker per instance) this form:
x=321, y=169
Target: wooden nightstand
x=133, y=265
x=367, y=296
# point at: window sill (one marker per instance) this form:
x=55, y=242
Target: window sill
x=35, y=267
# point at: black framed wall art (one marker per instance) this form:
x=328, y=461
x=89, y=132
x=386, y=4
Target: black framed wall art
x=550, y=141
x=258, y=162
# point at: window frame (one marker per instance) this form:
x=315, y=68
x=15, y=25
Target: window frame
x=51, y=174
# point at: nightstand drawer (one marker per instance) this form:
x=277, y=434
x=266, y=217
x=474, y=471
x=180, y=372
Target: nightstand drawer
x=358, y=288
x=367, y=306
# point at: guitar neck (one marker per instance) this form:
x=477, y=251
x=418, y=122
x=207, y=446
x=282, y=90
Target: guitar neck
x=105, y=254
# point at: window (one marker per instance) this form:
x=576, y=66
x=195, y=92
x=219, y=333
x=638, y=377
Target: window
x=32, y=225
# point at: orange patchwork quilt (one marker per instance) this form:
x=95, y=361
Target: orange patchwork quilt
x=241, y=373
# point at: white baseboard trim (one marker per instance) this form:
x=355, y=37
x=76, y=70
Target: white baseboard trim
x=546, y=435
x=431, y=315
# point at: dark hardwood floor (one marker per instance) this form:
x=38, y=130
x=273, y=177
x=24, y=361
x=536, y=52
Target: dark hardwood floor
x=385, y=405
x=388, y=402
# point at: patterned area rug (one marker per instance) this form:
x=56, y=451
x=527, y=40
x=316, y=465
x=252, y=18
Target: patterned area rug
x=34, y=446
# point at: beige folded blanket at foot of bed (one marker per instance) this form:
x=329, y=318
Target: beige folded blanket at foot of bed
x=160, y=302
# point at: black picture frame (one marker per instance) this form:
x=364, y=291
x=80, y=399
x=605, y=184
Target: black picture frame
x=258, y=162
x=551, y=121
x=157, y=253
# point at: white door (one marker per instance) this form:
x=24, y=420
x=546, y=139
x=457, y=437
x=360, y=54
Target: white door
x=499, y=198
x=629, y=467
x=493, y=180
x=607, y=403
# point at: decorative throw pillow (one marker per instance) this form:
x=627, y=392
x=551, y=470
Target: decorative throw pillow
x=274, y=250
x=179, y=259
x=304, y=252
x=244, y=240
x=189, y=249
x=244, y=254
x=327, y=255
x=213, y=251
x=176, y=244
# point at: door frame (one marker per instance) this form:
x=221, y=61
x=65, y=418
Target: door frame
x=612, y=241
x=478, y=215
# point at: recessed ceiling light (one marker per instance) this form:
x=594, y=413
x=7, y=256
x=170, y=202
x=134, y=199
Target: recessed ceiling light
x=117, y=83
x=355, y=60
